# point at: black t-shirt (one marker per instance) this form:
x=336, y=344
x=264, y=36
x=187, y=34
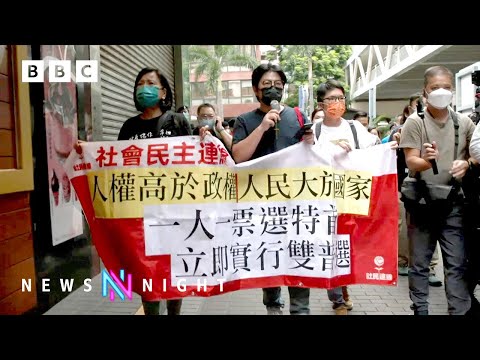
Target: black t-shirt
x=136, y=128
x=288, y=127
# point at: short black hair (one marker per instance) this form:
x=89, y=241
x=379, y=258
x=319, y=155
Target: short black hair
x=360, y=114
x=435, y=71
x=225, y=123
x=206, y=105
x=165, y=104
x=326, y=86
x=414, y=97
x=182, y=109
x=260, y=70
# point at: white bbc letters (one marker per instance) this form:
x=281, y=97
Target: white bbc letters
x=60, y=71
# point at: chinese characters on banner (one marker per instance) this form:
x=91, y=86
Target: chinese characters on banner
x=179, y=210
x=61, y=127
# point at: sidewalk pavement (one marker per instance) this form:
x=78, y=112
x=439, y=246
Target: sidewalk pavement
x=367, y=300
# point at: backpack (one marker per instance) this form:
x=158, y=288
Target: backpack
x=179, y=121
x=318, y=129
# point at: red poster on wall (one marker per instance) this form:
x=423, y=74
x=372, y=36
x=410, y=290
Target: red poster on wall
x=60, y=109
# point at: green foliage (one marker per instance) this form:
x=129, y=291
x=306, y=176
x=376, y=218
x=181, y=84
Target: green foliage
x=210, y=61
x=272, y=55
x=382, y=124
x=292, y=99
x=328, y=62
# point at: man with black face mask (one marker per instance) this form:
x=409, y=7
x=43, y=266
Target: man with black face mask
x=253, y=137
x=209, y=122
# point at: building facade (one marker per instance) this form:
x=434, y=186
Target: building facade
x=43, y=235
x=237, y=93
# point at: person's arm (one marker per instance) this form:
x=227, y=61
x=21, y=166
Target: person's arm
x=244, y=146
x=225, y=137
x=415, y=162
x=475, y=144
x=243, y=150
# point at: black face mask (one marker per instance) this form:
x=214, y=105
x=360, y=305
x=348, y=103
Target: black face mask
x=270, y=94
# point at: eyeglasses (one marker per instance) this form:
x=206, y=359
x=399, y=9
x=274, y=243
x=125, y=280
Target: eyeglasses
x=334, y=98
x=206, y=116
x=270, y=83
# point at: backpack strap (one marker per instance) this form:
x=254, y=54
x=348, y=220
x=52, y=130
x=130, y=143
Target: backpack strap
x=318, y=129
x=301, y=121
x=454, y=116
x=456, y=127
x=354, y=132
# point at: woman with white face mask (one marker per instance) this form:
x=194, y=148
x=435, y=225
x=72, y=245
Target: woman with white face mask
x=436, y=152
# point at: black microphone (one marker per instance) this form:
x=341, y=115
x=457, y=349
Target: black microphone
x=276, y=106
x=434, y=167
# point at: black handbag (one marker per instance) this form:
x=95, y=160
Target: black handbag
x=413, y=190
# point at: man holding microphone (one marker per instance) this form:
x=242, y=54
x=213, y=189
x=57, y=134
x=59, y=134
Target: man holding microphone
x=263, y=131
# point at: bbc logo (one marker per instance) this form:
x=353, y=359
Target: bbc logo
x=60, y=71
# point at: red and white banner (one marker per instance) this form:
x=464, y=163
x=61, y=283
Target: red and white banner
x=183, y=219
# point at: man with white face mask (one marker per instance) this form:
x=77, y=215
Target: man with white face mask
x=436, y=152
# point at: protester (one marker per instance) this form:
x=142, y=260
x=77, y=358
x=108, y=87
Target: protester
x=185, y=111
x=153, y=96
x=363, y=118
x=348, y=135
x=254, y=137
x=211, y=122
x=436, y=202
x=317, y=115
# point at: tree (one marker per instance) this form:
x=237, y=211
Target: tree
x=313, y=65
x=209, y=61
x=305, y=51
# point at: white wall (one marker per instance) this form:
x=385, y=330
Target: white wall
x=387, y=108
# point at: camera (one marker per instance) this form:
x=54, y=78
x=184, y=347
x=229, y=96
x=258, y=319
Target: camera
x=476, y=78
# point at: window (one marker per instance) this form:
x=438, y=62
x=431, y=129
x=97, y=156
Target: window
x=197, y=90
x=225, y=89
x=248, y=100
x=16, y=163
x=247, y=88
x=234, y=89
x=7, y=113
x=233, y=92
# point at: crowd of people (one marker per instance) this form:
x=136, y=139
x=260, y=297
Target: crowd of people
x=436, y=148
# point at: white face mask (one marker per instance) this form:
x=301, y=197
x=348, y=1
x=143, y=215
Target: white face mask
x=440, y=98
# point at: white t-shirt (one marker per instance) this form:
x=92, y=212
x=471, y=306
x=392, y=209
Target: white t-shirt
x=344, y=132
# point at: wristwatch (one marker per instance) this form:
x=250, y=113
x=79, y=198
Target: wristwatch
x=470, y=165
